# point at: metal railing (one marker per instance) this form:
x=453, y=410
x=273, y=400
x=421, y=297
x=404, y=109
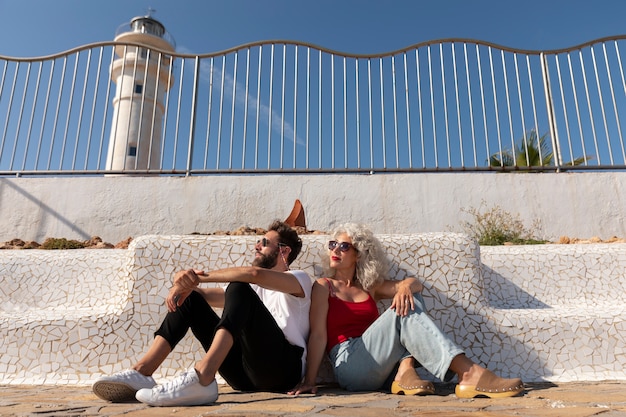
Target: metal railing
x=447, y=105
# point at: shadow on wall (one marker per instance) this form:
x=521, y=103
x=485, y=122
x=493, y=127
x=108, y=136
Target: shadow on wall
x=478, y=334
x=37, y=204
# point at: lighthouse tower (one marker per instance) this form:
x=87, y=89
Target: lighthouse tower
x=142, y=76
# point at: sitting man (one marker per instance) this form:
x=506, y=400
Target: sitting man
x=258, y=344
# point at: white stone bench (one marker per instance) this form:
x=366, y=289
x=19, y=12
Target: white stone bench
x=71, y=316
x=565, y=304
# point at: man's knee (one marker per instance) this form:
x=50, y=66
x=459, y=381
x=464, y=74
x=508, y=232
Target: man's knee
x=238, y=291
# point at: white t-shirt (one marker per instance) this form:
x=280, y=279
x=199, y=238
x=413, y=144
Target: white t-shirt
x=290, y=312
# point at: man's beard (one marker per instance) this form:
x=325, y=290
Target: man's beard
x=266, y=261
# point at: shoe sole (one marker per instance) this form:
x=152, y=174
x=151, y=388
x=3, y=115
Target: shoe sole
x=473, y=393
x=115, y=392
x=399, y=390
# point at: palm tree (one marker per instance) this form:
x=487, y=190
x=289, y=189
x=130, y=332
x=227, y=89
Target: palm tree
x=531, y=152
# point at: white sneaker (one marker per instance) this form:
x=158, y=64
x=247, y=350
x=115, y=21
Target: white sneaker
x=121, y=386
x=185, y=389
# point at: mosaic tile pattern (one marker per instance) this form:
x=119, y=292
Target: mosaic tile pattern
x=547, y=312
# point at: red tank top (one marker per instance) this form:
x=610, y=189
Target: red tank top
x=348, y=319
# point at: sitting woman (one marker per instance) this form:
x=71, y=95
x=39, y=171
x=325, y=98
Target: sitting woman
x=366, y=348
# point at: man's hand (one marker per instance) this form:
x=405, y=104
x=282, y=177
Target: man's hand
x=188, y=279
x=184, y=283
x=176, y=297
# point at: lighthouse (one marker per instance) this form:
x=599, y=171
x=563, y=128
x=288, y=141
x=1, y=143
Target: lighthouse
x=142, y=77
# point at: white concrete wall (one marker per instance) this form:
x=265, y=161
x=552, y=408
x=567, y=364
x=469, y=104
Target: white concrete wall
x=574, y=204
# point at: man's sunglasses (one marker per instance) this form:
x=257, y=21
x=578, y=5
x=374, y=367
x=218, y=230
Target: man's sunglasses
x=265, y=242
x=343, y=246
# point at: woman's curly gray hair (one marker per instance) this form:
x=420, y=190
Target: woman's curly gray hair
x=372, y=266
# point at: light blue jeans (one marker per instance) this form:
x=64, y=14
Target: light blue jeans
x=365, y=363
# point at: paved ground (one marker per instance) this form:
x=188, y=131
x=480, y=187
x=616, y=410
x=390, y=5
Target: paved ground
x=606, y=399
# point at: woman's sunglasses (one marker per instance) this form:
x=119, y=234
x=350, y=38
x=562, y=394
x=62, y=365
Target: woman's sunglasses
x=343, y=246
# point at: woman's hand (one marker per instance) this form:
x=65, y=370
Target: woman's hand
x=302, y=388
x=403, y=301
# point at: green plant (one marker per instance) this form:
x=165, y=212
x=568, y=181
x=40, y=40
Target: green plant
x=532, y=151
x=62, y=243
x=495, y=226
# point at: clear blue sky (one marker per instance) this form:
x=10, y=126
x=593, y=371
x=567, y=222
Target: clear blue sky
x=40, y=27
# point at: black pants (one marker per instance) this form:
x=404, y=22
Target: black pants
x=261, y=358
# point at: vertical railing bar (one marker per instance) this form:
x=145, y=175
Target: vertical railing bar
x=319, y=114
x=593, y=126
x=601, y=99
x=432, y=107
x=32, y=116
x=115, y=113
x=358, y=113
x=45, y=113
x=408, y=111
x=470, y=101
x=419, y=107
x=308, y=105
x=232, y=111
x=19, y=118
x=10, y=106
x=56, y=115
x=577, y=107
x=345, y=116
x=6, y=124
x=155, y=104
x=141, y=108
x=332, y=111
x=282, y=107
x=192, y=116
x=4, y=72
x=219, y=120
x=567, y=129
x=619, y=123
x=104, y=115
x=369, y=89
x=178, y=106
x=295, y=105
x=120, y=89
x=508, y=104
x=495, y=101
x=93, y=108
x=458, y=105
x=395, y=111
x=258, y=110
x=82, y=106
x=532, y=94
x=519, y=95
x=209, y=109
x=269, y=122
x=445, y=103
x=552, y=122
x=131, y=105
x=382, y=112
x=245, y=111
x=482, y=100
x=166, y=110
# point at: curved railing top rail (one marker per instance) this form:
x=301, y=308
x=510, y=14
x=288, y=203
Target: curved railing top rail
x=321, y=48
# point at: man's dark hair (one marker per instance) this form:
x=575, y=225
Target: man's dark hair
x=289, y=237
